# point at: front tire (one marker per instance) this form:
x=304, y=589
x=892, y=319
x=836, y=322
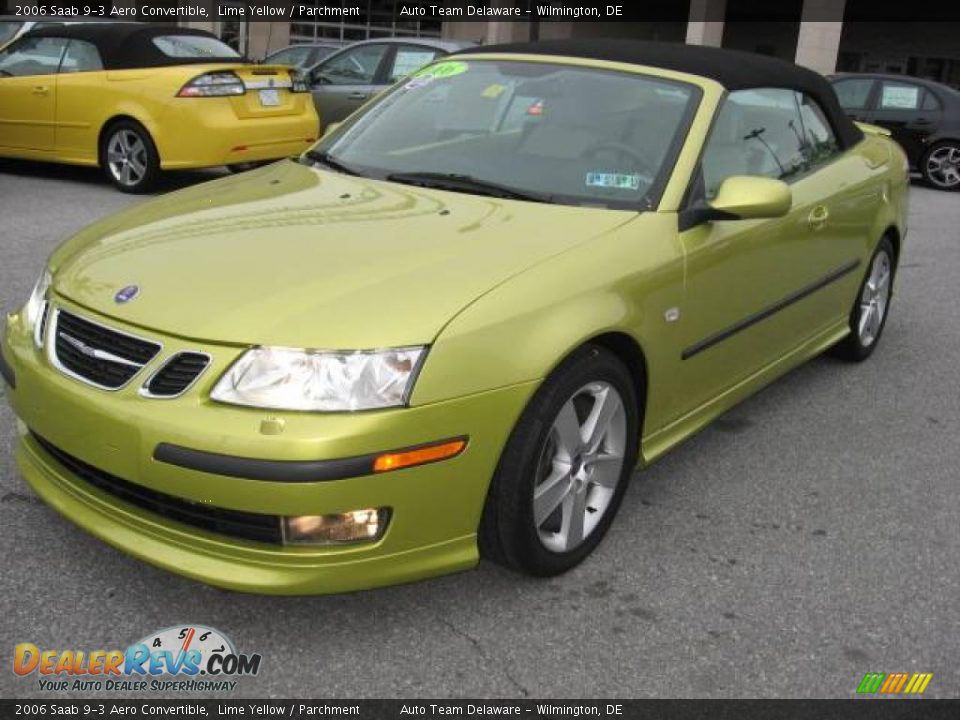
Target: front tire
x=871, y=307
x=565, y=468
x=940, y=166
x=129, y=157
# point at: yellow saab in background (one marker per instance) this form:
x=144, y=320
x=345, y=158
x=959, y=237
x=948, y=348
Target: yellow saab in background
x=137, y=99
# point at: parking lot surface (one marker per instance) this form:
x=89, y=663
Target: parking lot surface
x=808, y=537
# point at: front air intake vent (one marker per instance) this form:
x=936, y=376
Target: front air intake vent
x=177, y=375
x=232, y=523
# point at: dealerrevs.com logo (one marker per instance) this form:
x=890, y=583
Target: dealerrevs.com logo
x=177, y=659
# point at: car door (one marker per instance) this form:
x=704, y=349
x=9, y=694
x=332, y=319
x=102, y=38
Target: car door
x=910, y=112
x=79, y=117
x=344, y=81
x=28, y=93
x=757, y=289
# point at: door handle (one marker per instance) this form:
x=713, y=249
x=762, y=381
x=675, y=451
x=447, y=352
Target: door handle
x=818, y=217
x=41, y=90
x=357, y=96
x=923, y=121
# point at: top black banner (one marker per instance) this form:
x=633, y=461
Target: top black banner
x=355, y=11
x=486, y=709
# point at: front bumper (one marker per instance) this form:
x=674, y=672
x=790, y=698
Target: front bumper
x=435, y=508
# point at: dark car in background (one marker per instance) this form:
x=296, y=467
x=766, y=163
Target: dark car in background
x=922, y=115
x=302, y=56
x=348, y=78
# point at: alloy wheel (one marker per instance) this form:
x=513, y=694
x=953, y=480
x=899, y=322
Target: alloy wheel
x=580, y=466
x=943, y=166
x=874, y=299
x=127, y=157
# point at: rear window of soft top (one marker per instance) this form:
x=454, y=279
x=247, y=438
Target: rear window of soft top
x=193, y=47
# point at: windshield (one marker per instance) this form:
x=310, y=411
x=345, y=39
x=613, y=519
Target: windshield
x=8, y=30
x=570, y=134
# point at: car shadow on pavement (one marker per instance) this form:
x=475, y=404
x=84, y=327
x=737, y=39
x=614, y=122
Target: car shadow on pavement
x=94, y=176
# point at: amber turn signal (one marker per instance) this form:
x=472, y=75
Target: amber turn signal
x=419, y=456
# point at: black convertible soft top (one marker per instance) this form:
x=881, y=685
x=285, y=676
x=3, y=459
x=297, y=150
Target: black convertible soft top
x=733, y=69
x=129, y=45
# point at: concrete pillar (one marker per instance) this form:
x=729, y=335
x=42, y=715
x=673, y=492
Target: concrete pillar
x=265, y=37
x=818, y=43
x=705, y=25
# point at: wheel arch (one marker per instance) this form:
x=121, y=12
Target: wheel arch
x=893, y=232
x=113, y=120
x=628, y=351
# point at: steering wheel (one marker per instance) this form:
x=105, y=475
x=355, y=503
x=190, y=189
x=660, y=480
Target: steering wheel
x=619, y=147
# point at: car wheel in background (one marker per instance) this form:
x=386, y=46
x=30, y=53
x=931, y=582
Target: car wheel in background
x=941, y=166
x=129, y=157
x=565, y=467
x=869, y=314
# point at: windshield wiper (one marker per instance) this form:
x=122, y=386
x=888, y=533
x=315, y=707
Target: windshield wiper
x=466, y=183
x=327, y=160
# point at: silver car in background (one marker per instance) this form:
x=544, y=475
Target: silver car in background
x=343, y=81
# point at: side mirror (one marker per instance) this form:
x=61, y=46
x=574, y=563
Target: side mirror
x=330, y=128
x=744, y=197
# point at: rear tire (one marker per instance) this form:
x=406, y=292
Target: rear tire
x=565, y=468
x=129, y=157
x=871, y=306
x=940, y=166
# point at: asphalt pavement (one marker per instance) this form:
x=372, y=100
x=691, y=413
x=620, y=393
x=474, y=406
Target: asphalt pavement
x=808, y=537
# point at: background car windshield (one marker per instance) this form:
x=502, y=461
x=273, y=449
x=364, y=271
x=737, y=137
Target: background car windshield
x=579, y=135
x=193, y=46
x=290, y=56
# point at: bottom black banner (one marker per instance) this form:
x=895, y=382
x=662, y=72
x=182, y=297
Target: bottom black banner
x=861, y=709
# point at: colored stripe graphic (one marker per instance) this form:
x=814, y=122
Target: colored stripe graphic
x=894, y=683
x=889, y=683
x=871, y=683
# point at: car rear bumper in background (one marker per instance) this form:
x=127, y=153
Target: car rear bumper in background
x=210, y=134
x=91, y=454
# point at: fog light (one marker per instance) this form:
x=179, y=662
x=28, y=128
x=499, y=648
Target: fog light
x=350, y=527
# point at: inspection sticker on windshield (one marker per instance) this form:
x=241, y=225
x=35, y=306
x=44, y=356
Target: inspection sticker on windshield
x=619, y=181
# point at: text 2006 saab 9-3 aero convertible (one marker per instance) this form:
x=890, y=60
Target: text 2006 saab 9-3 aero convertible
x=456, y=325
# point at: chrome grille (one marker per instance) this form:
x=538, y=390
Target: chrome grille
x=96, y=354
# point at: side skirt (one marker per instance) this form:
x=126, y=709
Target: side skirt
x=656, y=444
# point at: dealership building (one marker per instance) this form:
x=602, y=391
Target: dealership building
x=826, y=35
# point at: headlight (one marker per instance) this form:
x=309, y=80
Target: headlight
x=36, y=307
x=320, y=380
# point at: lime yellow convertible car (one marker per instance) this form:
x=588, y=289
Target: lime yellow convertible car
x=136, y=99
x=455, y=326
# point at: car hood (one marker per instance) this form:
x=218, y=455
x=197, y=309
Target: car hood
x=294, y=256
